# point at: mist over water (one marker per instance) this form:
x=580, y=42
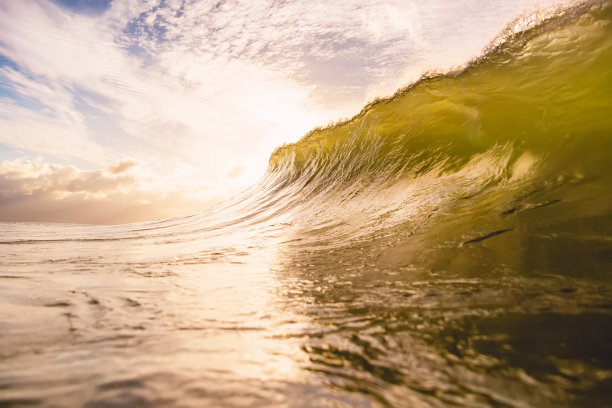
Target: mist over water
x=448, y=246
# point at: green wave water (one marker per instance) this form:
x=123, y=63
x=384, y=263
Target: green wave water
x=519, y=141
x=544, y=92
x=448, y=246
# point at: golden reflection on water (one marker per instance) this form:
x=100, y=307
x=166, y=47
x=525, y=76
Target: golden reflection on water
x=197, y=321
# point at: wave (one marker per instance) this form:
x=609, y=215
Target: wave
x=531, y=115
x=542, y=92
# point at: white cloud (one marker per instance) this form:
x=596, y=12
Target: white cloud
x=122, y=192
x=23, y=128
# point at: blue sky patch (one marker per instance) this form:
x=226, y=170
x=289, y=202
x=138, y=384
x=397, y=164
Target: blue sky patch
x=86, y=6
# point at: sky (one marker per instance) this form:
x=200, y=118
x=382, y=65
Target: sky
x=131, y=110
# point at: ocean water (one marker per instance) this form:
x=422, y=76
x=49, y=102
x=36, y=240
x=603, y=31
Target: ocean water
x=448, y=246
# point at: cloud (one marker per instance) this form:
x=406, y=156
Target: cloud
x=122, y=166
x=32, y=190
x=44, y=133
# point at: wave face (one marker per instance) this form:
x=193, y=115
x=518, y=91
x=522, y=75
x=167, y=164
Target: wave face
x=450, y=245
